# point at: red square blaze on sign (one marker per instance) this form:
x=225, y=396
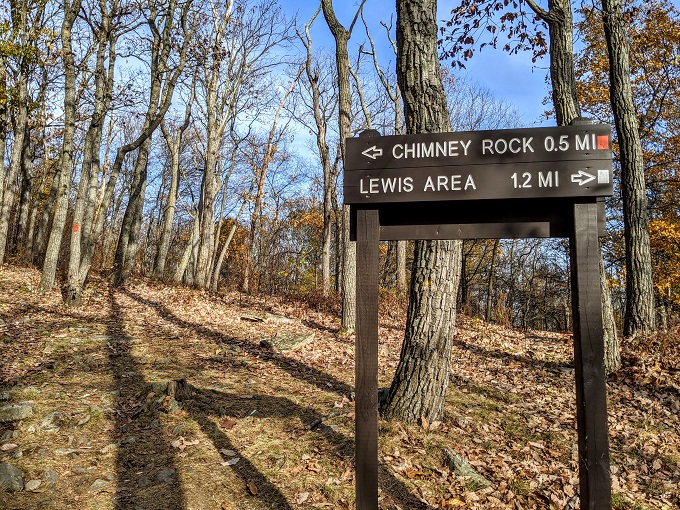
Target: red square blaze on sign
x=603, y=142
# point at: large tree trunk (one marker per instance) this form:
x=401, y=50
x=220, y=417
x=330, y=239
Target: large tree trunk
x=86, y=201
x=640, y=314
x=421, y=379
x=22, y=243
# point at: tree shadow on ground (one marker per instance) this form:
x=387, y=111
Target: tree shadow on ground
x=146, y=471
x=295, y=368
x=205, y=405
x=549, y=366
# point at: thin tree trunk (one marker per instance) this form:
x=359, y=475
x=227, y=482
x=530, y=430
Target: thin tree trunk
x=640, y=314
x=188, y=250
x=342, y=36
x=21, y=241
x=65, y=165
x=489, y=283
x=174, y=145
x=567, y=111
x=227, y=242
x=329, y=172
x=20, y=131
x=129, y=230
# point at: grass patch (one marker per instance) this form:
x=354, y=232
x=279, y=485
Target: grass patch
x=520, y=487
x=619, y=502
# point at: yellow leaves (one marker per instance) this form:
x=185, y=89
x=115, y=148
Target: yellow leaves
x=664, y=238
x=302, y=218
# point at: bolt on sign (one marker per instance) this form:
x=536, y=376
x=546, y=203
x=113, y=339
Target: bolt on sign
x=512, y=183
x=568, y=161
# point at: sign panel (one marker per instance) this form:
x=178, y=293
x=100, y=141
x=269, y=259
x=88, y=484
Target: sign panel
x=569, y=161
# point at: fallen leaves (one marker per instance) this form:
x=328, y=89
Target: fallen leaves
x=509, y=412
x=228, y=423
x=181, y=443
x=252, y=488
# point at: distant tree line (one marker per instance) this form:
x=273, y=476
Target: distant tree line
x=201, y=143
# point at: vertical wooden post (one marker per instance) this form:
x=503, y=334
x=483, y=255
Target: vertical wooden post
x=591, y=391
x=366, y=361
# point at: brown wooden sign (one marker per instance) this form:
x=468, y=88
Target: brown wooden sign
x=571, y=161
x=576, y=214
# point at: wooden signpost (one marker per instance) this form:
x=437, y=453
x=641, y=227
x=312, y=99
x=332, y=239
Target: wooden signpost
x=541, y=182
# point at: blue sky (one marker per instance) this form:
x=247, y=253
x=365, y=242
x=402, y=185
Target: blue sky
x=513, y=78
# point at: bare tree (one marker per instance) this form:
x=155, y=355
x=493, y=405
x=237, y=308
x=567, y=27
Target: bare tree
x=260, y=166
x=231, y=77
x=394, y=95
x=342, y=36
x=173, y=138
x=167, y=24
x=329, y=164
x=65, y=165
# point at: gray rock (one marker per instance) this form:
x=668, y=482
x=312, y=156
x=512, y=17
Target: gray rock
x=144, y=482
x=30, y=391
x=52, y=422
x=32, y=485
x=11, y=478
x=65, y=451
x=459, y=466
x=166, y=475
x=50, y=476
x=98, y=485
x=281, y=319
x=110, y=448
x=10, y=434
x=287, y=341
x=173, y=406
x=85, y=471
x=4, y=395
x=16, y=412
x=159, y=388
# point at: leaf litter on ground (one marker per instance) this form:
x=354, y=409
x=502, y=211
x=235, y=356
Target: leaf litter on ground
x=166, y=397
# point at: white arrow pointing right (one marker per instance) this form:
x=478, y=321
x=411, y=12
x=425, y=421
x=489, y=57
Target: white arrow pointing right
x=582, y=177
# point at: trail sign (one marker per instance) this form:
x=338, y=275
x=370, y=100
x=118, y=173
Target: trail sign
x=542, y=182
x=566, y=161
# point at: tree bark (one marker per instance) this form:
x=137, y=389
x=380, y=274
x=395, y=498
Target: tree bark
x=174, y=146
x=421, y=379
x=567, y=109
x=640, y=313
x=65, y=164
x=330, y=170
x=349, y=254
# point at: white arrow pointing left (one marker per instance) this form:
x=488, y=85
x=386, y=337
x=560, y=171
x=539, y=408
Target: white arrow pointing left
x=372, y=152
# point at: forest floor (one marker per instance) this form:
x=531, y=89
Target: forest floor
x=155, y=397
